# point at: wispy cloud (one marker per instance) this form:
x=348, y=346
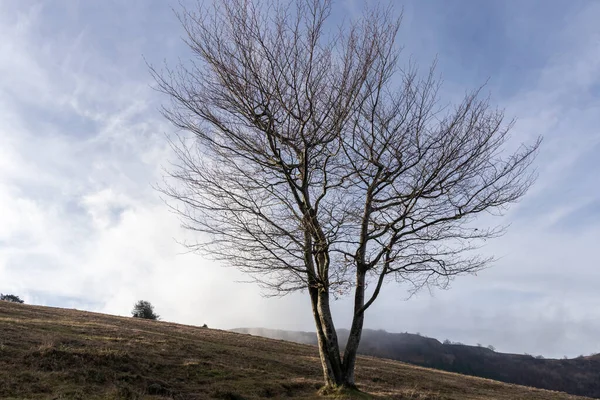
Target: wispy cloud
x=81, y=142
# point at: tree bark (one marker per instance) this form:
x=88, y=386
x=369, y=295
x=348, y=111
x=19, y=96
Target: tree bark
x=355, y=332
x=327, y=338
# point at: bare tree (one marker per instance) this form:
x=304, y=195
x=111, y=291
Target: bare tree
x=309, y=159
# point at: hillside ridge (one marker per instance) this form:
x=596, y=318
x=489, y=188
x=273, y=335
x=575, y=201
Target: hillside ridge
x=53, y=353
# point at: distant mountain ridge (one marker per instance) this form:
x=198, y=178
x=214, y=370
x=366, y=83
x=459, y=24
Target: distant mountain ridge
x=579, y=376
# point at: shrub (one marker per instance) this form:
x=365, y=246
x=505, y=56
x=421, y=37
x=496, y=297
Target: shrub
x=143, y=309
x=11, y=298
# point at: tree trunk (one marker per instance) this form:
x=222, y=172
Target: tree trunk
x=327, y=338
x=355, y=332
x=335, y=372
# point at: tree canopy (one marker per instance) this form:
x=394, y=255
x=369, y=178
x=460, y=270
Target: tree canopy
x=311, y=159
x=143, y=309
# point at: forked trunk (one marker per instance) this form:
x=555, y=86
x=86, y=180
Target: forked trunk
x=337, y=373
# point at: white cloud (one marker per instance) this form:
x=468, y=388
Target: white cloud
x=81, y=143
x=84, y=225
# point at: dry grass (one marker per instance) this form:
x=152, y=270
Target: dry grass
x=51, y=353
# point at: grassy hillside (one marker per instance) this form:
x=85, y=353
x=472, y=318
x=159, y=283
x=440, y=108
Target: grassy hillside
x=51, y=353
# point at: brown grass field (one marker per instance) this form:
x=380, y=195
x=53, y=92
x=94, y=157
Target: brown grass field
x=53, y=353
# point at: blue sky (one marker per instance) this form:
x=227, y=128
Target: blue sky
x=81, y=143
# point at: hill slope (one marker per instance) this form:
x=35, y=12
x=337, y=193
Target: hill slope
x=51, y=353
x=579, y=376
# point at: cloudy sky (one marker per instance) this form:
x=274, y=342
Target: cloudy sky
x=82, y=143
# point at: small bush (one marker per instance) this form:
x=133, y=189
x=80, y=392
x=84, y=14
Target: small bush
x=143, y=309
x=11, y=298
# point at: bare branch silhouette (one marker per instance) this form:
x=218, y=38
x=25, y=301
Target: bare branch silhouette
x=309, y=159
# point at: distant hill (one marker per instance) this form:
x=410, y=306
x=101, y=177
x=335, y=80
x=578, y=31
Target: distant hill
x=53, y=353
x=580, y=376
